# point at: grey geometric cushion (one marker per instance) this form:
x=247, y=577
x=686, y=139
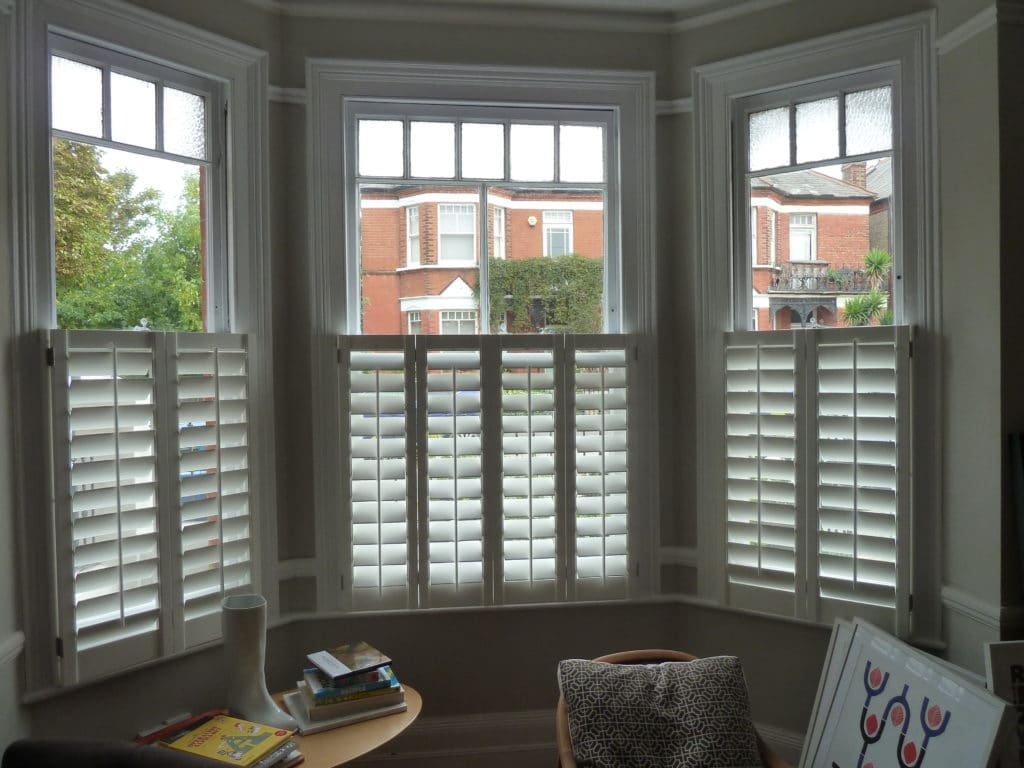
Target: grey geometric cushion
x=679, y=714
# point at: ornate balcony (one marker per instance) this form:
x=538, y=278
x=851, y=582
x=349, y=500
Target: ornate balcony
x=819, y=277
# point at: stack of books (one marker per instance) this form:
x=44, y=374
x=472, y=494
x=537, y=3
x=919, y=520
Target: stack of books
x=346, y=684
x=227, y=739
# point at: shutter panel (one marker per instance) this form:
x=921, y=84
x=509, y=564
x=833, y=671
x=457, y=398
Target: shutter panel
x=530, y=459
x=761, y=471
x=451, y=477
x=106, y=499
x=862, y=408
x=380, y=457
x=210, y=375
x=599, y=389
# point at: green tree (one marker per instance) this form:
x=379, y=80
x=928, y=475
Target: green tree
x=120, y=257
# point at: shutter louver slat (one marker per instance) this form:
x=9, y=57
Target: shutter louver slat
x=599, y=418
x=211, y=389
x=761, y=464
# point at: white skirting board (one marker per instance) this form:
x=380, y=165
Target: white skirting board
x=522, y=739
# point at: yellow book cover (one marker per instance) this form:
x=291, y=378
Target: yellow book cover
x=230, y=740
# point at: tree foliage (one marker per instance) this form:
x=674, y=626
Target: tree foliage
x=560, y=292
x=120, y=258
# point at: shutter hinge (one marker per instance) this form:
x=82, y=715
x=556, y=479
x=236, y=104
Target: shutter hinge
x=910, y=347
x=59, y=647
x=341, y=582
x=50, y=359
x=910, y=603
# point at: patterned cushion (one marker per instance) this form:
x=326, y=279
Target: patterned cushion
x=692, y=714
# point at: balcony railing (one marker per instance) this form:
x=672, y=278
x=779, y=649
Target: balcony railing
x=820, y=277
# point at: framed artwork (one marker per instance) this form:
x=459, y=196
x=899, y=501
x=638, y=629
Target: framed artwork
x=882, y=703
x=1004, y=676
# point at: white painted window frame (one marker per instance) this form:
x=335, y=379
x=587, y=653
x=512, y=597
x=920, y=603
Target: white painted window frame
x=805, y=230
x=414, y=319
x=907, y=44
x=242, y=71
x=631, y=94
x=458, y=316
x=412, y=237
x=499, y=230
x=447, y=215
x=557, y=221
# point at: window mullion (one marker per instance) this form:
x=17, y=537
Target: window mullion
x=491, y=461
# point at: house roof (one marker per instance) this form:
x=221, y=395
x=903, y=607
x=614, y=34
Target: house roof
x=810, y=183
x=879, y=178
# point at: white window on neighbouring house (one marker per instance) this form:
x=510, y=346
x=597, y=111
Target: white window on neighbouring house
x=753, y=235
x=458, y=322
x=412, y=235
x=456, y=231
x=803, y=236
x=808, y=494
x=557, y=233
x=499, y=232
x=154, y=402
x=415, y=323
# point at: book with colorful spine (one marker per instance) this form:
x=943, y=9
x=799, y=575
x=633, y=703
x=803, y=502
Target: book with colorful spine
x=325, y=691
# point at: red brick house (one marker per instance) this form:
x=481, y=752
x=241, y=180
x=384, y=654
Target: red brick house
x=809, y=235
x=420, y=249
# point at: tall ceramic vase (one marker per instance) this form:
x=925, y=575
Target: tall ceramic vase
x=244, y=619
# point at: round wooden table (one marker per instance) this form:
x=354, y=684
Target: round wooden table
x=334, y=747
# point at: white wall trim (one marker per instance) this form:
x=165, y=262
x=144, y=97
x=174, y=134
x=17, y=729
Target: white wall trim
x=971, y=606
x=714, y=17
x=11, y=648
x=969, y=29
x=679, y=556
x=681, y=106
x=284, y=95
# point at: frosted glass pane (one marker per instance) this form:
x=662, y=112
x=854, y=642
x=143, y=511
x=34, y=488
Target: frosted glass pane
x=184, y=123
x=581, y=153
x=432, y=150
x=132, y=110
x=869, y=121
x=380, y=148
x=532, y=152
x=769, y=138
x=76, y=96
x=817, y=130
x=483, y=151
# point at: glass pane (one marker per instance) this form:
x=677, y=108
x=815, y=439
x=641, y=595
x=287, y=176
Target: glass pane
x=132, y=110
x=869, y=121
x=483, y=151
x=128, y=246
x=442, y=272
x=831, y=267
x=76, y=97
x=532, y=152
x=184, y=123
x=533, y=293
x=432, y=150
x=381, y=151
x=817, y=130
x=769, y=138
x=581, y=153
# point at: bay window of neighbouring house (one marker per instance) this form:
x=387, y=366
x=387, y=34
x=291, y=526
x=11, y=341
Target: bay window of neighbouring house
x=485, y=463
x=150, y=376
x=813, y=512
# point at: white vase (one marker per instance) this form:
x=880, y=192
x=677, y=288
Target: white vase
x=244, y=621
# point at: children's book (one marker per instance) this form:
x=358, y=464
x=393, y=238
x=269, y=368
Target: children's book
x=230, y=740
x=374, y=700
x=348, y=660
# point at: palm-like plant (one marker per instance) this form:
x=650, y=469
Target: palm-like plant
x=863, y=309
x=876, y=266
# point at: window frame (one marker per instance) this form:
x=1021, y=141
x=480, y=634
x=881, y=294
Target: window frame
x=448, y=217
x=412, y=239
x=808, y=230
x=242, y=70
x=551, y=225
x=906, y=45
x=631, y=94
x=460, y=316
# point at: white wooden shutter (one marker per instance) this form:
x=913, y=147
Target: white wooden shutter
x=532, y=415
x=764, y=501
x=106, y=499
x=862, y=414
x=210, y=377
x=817, y=454
x=378, y=388
x=599, y=369
x=451, y=507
